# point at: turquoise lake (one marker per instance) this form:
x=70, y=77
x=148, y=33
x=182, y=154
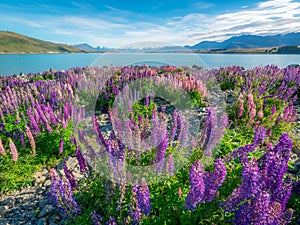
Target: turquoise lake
x=31, y=63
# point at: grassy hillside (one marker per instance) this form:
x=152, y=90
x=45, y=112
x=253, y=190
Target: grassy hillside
x=11, y=42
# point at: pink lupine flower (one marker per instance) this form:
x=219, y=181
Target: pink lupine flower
x=61, y=146
x=270, y=145
x=2, y=150
x=31, y=140
x=53, y=174
x=250, y=101
x=260, y=113
x=13, y=150
x=251, y=109
x=179, y=192
x=241, y=106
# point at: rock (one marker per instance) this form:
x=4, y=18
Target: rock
x=297, y=163
x=10, y=201
x=46, y=211
x=47, y=183
x=43, y=202
x=52, y=219
x=3, y=210
x=293, y=157
x=72, y=165
x=41, y=221
x=39, y=177
x=296, y=150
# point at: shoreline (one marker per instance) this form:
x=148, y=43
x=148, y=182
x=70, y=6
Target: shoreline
x=175, y=52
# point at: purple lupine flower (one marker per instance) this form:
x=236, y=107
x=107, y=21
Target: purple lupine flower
x=31, y=140
x=180, y=124
x=248, y=188
x=61, y=196
x=174, y=126
x=260, y=177
x=61, y=146
x=22, y=138
x=283, y=193
x=287, y=216
x=66, y=112
x=53, y=195
x=259, y=135
x=273, y=112
x=134, y=211
x=2, y=116
x=254, y=211
x=274, y=163
x=214, y=180
x=33, y=123
x=213, y=130
x=143, y=197
x=147, y=100
x=241, y=152
x=13, y=150
x=70, y=176
x=81, y=161
x=111, y=221
x=160, y=153
x=96, y=218
x=97, y=129
x=184, y=135
x=170, y=165
x=2, y=150
x=197, y=189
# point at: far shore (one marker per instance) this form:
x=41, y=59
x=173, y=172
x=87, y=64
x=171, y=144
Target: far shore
x=268, y=51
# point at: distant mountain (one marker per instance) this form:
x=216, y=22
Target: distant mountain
x=88, y=48
x=250, y=41
x=11, y=42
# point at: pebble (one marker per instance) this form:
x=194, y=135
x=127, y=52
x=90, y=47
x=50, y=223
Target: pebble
x=41, y=221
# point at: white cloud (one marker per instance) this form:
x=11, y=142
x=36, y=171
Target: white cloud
x=116, y=27
x=270, y=17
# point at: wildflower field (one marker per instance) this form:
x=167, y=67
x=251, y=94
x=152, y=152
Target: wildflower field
x=179, y=145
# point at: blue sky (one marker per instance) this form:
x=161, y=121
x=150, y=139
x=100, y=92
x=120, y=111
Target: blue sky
x=115, y=23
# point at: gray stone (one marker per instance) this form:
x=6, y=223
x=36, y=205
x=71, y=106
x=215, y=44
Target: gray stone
x=3, y=210
x=54, y=218
x=46, y=211
x=40, y=178
x=47, y=183
x=42, y=203
x=10, y=201
x=296, y=150
x=41, y=221
x=293, y=157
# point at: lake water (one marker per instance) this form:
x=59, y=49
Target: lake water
x=30, y=63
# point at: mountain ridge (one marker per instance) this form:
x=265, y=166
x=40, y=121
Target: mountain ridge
x=250, y=41
x=11, y=42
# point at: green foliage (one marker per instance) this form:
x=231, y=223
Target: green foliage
x=226, y=85
x=20, y=174
x=197, y=98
